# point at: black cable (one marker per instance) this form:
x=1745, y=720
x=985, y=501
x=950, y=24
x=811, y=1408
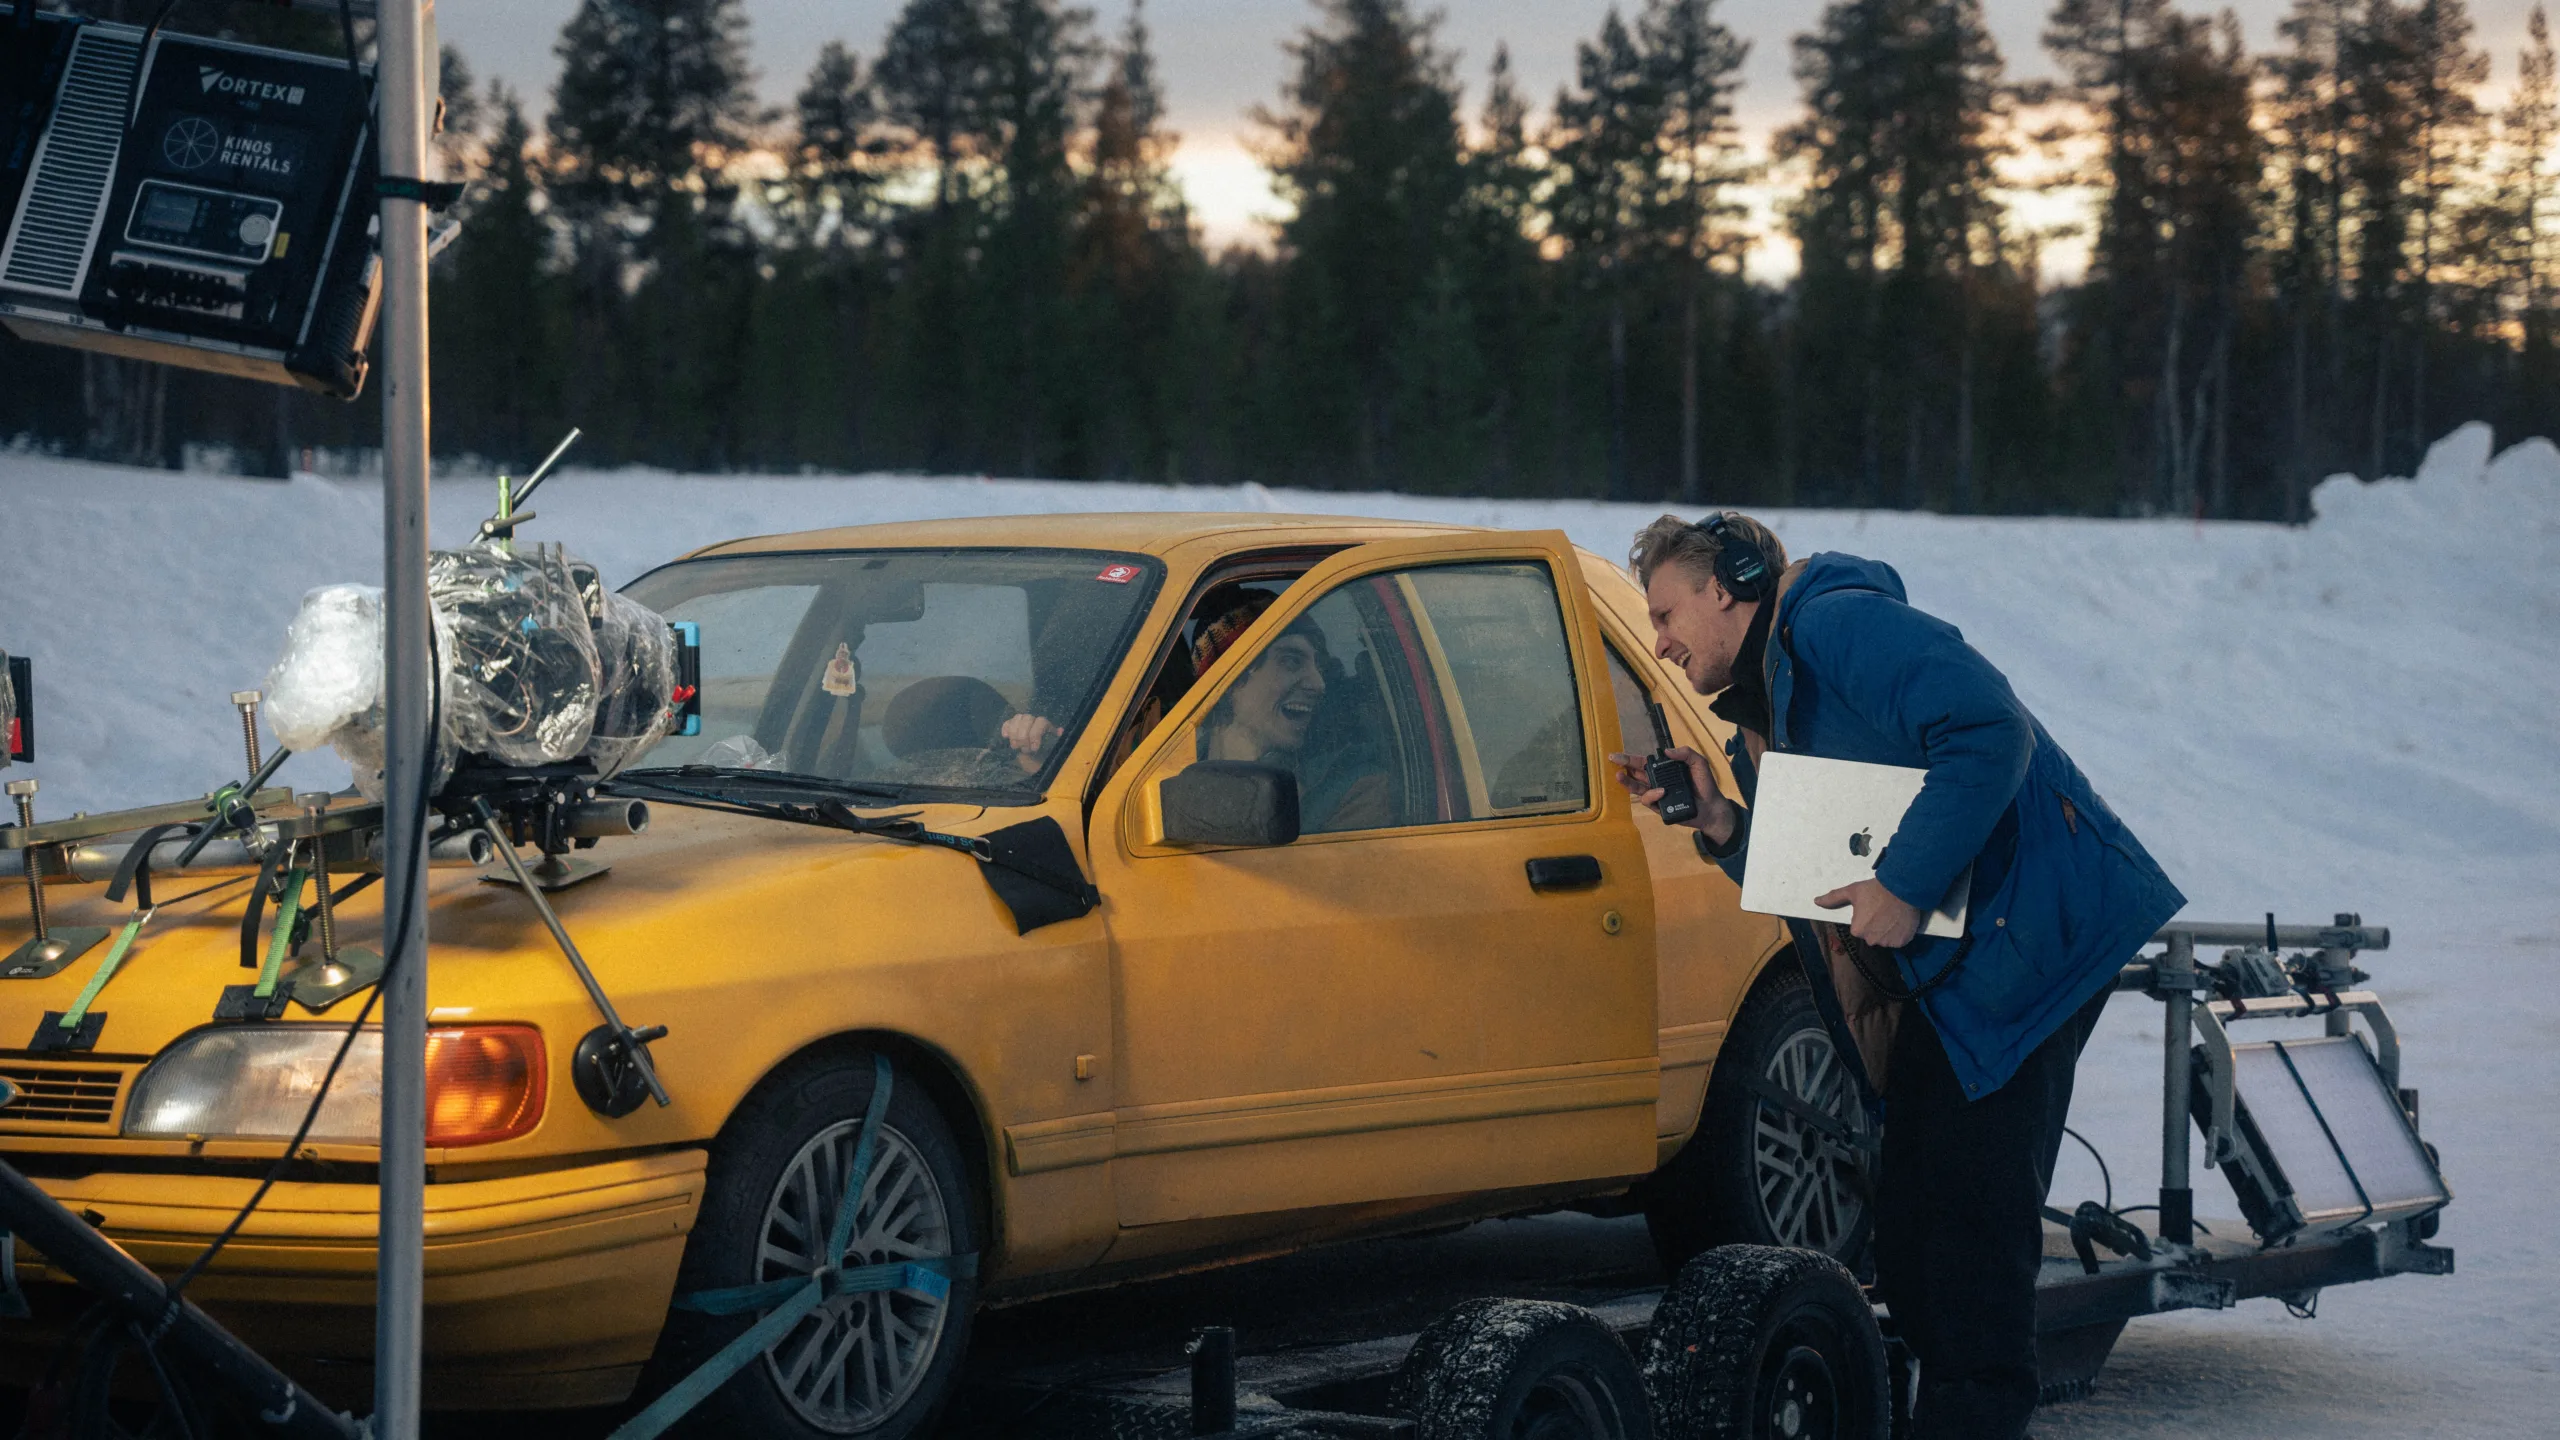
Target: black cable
x=2104, y=1174
x=347, y=30
x=395, y=955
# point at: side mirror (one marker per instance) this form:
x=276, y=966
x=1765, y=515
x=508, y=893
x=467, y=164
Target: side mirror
x=1230, y=802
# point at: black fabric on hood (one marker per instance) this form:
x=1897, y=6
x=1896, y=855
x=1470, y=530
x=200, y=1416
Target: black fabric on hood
x=1033, y=871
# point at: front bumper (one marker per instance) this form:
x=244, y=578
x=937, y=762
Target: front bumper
x=542, y=1290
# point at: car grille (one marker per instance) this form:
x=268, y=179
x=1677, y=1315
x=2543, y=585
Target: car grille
x=61, y=1096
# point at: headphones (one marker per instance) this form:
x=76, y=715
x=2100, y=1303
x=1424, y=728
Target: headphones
x=1742, y=568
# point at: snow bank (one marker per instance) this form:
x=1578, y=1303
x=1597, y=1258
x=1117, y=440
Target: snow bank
x=2354, y=714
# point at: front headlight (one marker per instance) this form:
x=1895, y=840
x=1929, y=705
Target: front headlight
x=484, y=1083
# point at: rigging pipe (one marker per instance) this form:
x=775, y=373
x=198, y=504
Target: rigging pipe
x=405, y=41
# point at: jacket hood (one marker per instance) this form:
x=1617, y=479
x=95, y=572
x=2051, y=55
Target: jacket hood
x=1825, y=571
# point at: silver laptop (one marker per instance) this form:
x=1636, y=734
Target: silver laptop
x=1817, y=825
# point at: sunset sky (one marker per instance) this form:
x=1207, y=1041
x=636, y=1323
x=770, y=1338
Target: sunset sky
x=1219, y=58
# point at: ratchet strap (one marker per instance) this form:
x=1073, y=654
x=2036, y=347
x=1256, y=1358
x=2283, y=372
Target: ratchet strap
x=288, y=910
x=77, y=1028
x=106, y=970
x=788, y=1301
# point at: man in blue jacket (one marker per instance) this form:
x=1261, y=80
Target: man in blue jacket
x=1825, y=657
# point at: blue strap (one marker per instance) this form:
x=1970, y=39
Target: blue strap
x=931, y=1277
x=735, y=1356
x=793, y=1297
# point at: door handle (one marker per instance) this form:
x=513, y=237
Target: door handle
x=1564, y=872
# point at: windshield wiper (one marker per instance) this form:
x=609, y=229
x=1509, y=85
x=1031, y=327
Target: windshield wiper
x=730, y=779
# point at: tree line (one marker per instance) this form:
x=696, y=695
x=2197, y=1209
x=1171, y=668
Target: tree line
x=965, y=252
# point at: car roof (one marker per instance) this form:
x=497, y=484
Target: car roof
x=1144, y=532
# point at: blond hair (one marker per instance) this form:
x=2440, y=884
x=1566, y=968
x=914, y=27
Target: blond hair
x=1674, y=541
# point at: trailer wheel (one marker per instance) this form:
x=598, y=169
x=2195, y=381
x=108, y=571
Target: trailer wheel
x=881, y=1365
x=1756, y=1173
x=1753, y=1342
x=1522, y=1370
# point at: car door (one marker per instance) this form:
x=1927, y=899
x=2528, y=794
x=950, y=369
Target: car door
x=1389, y=1008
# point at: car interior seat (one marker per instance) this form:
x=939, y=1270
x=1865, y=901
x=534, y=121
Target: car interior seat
x=943, y=712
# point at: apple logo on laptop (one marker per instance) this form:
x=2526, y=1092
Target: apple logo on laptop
x=1862, y=843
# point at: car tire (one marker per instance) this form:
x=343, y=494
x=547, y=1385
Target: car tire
x=782, y=1146
x=1522, y=1370
x=1753, y=1173
x=1755, y=1342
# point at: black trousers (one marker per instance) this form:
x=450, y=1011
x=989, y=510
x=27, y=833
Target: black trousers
x=1959, y=1224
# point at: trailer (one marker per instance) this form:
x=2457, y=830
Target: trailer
x=2317, y=1136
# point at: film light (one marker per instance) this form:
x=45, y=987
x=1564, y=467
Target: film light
x=2324, y=1144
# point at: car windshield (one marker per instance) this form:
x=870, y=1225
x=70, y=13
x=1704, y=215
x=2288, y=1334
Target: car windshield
x=967, y=671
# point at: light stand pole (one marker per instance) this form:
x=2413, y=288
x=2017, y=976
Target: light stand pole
x=405, y=37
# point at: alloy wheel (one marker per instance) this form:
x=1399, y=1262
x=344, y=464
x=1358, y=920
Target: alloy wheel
x=1806, y=1178
x=854, y=1360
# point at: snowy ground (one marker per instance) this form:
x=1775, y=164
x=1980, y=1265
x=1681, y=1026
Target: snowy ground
x=2357, y=714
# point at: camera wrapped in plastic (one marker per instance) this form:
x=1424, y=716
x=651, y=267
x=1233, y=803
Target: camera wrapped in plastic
x=635, y=676
x=519, y=653
x=538, y=664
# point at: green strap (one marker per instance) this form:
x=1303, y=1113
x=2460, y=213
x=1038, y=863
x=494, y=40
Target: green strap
x=79, y=1010
x=288, y=910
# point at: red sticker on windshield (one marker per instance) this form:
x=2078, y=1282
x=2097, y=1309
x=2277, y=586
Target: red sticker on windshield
x=1117, y=574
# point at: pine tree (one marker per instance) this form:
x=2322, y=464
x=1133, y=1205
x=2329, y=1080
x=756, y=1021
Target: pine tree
x=1607, y=148
x=1041, y=59
x=1696, y=63
x=934, y=67
x=2160, y=311
x=652, y=104
x=496, y=322
x=1133, y=261
x=1508, y=296
x=1903, y=98
x=1366, y=152
x=2446, y=127
x=2308, y=120
x=2530, y=128
x=836, y=147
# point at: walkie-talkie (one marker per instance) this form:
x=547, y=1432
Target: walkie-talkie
x=1679, y=802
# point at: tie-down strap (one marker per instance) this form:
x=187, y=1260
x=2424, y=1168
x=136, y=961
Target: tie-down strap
x=793, y=1297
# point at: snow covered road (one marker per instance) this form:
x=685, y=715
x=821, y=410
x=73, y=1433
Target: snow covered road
x=2356, y=714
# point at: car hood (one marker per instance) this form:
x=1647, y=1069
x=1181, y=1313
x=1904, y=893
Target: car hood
x=701, y=893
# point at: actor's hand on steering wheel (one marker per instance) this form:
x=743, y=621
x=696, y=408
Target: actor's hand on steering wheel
x=1029, y=735
x=1878, y=916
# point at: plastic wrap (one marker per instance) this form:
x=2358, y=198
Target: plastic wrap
x=636, y=677
x=519, y=653
x=331, y=670
x=539, y=664
x=738, y=752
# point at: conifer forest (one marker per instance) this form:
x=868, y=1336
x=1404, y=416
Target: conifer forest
x=961, y=249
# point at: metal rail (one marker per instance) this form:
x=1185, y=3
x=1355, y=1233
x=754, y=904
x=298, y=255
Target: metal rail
x=70, y=1246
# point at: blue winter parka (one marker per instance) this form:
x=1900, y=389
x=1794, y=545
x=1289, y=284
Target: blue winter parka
x=2062, y=894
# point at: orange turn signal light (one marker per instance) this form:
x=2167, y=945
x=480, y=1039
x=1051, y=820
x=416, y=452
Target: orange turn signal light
x=485, y=1083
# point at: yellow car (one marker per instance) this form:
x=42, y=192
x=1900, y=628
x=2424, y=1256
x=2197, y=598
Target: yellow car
x=1378, y=947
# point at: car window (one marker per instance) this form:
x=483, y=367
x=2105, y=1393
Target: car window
x=1635, y=726
x=965, y=670
x=1418, y=697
